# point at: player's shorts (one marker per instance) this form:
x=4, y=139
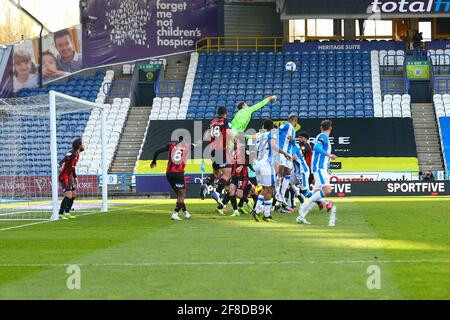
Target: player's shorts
x=240, y=182
x=283, y=162
x=176, y=180
x=221, y=159
x=321, y=179
x=265, y=173
x=67, y=184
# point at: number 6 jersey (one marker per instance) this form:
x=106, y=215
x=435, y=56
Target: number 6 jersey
x=179, y=153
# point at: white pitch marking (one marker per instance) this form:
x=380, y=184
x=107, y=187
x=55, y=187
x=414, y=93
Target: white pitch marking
x=216, y=263
x=79, y=215
x=332, y=221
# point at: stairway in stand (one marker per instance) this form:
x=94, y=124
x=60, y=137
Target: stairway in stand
x=130, y=142
x=429, y=150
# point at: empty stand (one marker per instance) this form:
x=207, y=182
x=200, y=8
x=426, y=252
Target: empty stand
x=95, y=89
x=327, y=84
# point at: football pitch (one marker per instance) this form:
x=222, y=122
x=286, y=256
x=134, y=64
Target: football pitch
x=136, y=252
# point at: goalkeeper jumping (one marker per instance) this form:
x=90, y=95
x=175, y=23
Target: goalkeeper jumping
x=238, y=125
x=244, y=115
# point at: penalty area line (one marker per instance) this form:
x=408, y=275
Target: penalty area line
x=116, y=209
x=219, y=263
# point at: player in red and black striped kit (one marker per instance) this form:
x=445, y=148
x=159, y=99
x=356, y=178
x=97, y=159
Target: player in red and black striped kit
x=179, y=153
x=68, y=178
x=220, y=137
x=240, y=185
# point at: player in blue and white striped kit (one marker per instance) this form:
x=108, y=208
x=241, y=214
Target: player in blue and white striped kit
x=268, y=149
x=320, y=166
x=301, y=174
x=286, y=142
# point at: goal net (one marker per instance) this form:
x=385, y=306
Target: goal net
x=35, y=135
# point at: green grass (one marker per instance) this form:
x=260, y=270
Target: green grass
x=136, y=252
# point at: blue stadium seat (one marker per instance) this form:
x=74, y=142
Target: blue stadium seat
x=335, y=83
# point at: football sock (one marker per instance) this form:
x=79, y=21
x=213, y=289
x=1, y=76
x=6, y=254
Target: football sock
x=178, y=207
x=306, y=193
x=64, y=204
x=225, y=200
x=234, y=202
x=292, y=196
x=278, y=182
x=267, y=206
x=259, y=204
x=307, y=207
x=285, y=184
x=69, y=205
x=242, y=201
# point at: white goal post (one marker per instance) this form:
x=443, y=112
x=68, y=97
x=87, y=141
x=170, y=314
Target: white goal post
x=53, y=95
x=36, y=132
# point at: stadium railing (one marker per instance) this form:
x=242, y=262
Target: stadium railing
x=395, y=85
x=441, y=85
x=393, y=64
x=166, y=88
x=240, y=43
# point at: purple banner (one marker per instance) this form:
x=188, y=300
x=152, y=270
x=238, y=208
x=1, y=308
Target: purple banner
x=159, y=184
x=345, y=45
x=6, y=72
x=124, y=30
x=436, y=45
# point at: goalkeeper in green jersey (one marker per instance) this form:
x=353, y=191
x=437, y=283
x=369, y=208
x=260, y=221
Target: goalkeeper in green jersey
x=244, y=115
x=238, y=125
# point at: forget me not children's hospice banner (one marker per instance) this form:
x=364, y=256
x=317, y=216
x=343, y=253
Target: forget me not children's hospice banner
x=135, y=29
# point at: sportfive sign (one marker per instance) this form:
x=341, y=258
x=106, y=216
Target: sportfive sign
x=414, y=187
x=384, y=188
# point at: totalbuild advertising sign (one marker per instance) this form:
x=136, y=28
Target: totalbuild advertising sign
x=372, y=9
x=403, y=6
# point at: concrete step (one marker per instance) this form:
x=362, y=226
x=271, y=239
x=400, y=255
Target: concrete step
x=133, y=144
x=428, y=148
x=435, y=158
x=123, y=170
x=421, y=120
x=426, y=125
x=424, y=144
x=430, y=135
x=125, y=159
x=135, y=127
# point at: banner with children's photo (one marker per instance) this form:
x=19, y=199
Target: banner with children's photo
x=61, y=56
x=6, y=72
x=25, y=66
x=123, y=30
